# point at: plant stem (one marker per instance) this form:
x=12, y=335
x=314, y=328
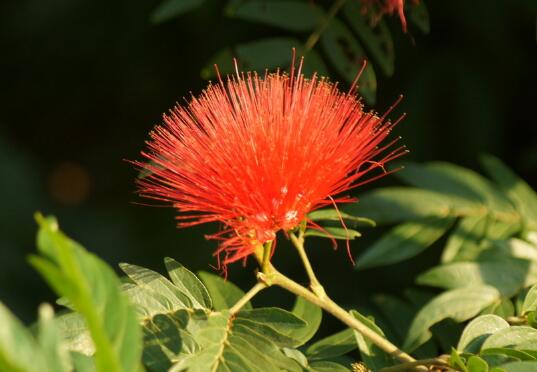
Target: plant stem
x=266, y=255
x=298, y=242
x=441, y=362
x=315, y=35
x=259, y=286
x=274, y=277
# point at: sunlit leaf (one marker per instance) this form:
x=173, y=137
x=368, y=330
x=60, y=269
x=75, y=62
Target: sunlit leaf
x=478, y=330
x=508, y=276
x=188, y=283
x=515, y=337
x=333, y=233
x=309, y=313
x=333, y=214
x=458, y=304
x=332, y=346
x=94, y=290
x=223, y=293
x=54, y=350
x=530, y=301
x=404, y=241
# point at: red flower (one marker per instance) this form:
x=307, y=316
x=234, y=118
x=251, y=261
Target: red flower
x=259, y=153
x=388, y=7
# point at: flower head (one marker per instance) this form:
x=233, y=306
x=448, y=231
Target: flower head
x=258, y=153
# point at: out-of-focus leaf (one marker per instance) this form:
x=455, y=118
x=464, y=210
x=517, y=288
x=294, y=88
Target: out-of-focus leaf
x=333, y=233
x=347, y=56
x=507, y=351
x=530, y=301
x=55, y=351
x=374, y=357
x=454, y=180
x=465, y=239
x=223, y=293
x=478, y=330
x=398, y=204
x=259, y=55
x=376, y=39
x=456, y=361
x=476, y=364
x=458, y=304
x=311, y=314
x=188, y=283
x=522, y=366
x=248, y=341
x=82, y=363
x=289, y=15
x=332, y=346
x=510, y=248
x=74, y=333
x=169, y=9
x=515, y=337
x=326, y=366
x=18, y=350
x=508, y=276
x=404, y=241
x=419, y=16
x=333, y=214
x=522, y=195
x=94, y=290
x=503, y=308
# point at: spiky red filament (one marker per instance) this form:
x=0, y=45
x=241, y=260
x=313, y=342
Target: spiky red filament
x=259, y=153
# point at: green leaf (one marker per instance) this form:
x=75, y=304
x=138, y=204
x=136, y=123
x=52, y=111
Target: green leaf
x=82, y=363
x=188, y=283
x=54, y=350
x=294, y=16
x=376, y=39
x=269, y=53
x=332, y=346
x=152, y=288
x=347, y=55
x=170, y=9
x=333, y=214
x=458, y=304
x=517, y=354
x=456, y=361
x=530, y=301
x=18, y=350
x=74, y=333
x=309, y=313
x=374, y=357
x=504, y=308
x=454, y=180
x=511, y=248
x=398, y=204
x=249, y=341
x=465, y=239
x=223, y=293
x=419, y=16
x=326, y=366
x=515, y=337
x=476, y=364
x=525, y=366
x=508, y=276
x=522, y=195
x=404, y=241
x=478, y=330
x=333, y=233
x=94, y=290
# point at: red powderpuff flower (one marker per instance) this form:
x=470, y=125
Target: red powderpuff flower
x=388, y=7
x=259, y=153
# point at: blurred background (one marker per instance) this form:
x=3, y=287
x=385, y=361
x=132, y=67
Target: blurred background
x=82, y=82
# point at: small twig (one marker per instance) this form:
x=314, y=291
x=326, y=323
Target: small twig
x=316, y=34
x=517, y=320
x=259, y=286
x=298, y=242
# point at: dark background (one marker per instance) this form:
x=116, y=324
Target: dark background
x=82, y=82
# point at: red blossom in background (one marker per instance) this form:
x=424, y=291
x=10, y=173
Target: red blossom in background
x=387, y=7
x=259, y=153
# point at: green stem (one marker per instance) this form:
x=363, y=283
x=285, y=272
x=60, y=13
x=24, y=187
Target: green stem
x=274, y=277
x=267, y=247
x=259, y=286
x=315, y=285
x=315, y=35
